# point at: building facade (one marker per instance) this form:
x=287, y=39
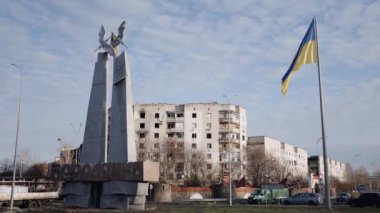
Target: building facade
x=292, y=157
x=190, y=133
x=337, y=169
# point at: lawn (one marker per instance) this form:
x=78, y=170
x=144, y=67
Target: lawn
x=193, y=208
x=216, y=208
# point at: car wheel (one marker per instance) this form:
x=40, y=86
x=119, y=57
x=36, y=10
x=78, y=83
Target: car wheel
x=312, y=203
x=286, y=202
x=250, y=201
x=32, y=204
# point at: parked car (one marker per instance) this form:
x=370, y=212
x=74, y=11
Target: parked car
x=343, y=197
x=366, y=199
x=304, y=198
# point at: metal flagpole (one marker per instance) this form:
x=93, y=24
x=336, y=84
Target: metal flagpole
x=229, y=151
x=327, y=181
x=19, y=67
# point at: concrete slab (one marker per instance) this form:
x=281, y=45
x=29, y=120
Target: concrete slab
x=125, y=188
x=94, y=146
x=122, y=147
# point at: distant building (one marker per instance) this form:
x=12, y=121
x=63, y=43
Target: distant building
x=337, y=169
x=69, y=155
x=203, y=127
x=294, y=158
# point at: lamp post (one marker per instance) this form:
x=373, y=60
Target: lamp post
x=76, y=130
x=353, y=167
x=19, y=67
x=229, y=150
x=319, y=139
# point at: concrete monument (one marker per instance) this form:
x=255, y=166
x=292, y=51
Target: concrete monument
x=108, y=175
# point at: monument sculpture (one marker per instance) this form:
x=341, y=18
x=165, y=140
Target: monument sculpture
x=108, y=175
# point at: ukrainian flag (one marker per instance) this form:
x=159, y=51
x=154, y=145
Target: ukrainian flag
x=307, y=53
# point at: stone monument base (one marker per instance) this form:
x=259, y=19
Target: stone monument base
x=124, y=195
x=108, y=185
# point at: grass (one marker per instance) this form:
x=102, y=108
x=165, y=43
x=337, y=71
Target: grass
x=264, y=209
x=217, y=208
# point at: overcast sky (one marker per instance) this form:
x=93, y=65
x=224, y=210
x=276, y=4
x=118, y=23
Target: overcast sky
x=196, y=51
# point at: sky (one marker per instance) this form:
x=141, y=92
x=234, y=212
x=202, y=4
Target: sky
x=196, y=51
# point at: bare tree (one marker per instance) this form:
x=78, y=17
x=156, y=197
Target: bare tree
x=263, y=168
x=362, y=176
x=37, y=170
x=195, y=166
x=341, y=186
x=24, y=161
x=6, y=167
x=172, y=158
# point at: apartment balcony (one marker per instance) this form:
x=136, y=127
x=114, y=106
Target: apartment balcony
x=226, y=129
x=170, y=119
x=227, y=140
x=172, y=130
x=177, y=139
x=229, y=120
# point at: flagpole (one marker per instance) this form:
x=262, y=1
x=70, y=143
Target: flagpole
x=325, y=163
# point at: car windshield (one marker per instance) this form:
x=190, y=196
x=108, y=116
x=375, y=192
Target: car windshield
x=257, y=192
x=296, y=196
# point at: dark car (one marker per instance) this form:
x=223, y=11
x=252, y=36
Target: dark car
x=343, y=197
x=366, y=199
x=304, y=198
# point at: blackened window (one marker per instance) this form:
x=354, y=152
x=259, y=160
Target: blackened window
x=209, y=135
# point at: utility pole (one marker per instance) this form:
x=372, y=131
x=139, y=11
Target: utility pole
x=229, y=150
x=353, y=168
x=19, y=67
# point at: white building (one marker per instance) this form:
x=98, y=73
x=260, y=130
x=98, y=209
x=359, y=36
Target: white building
x=202, y=127
x=294, y=158
x=337, y=169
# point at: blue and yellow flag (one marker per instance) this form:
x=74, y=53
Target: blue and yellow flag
x=306, y=54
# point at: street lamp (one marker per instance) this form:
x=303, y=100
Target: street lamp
x=76, y=130
x=319, y=139
x=19, y=67
x=353, y=166
x=229, y=150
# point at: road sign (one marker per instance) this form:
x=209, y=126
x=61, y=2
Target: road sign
x=361, y=188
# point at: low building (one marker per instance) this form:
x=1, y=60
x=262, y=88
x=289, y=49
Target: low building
x=292, y=157
x=339, y=170
x=69, y=155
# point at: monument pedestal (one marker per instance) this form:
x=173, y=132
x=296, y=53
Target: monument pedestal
x=107, y=185
x=124, y=195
